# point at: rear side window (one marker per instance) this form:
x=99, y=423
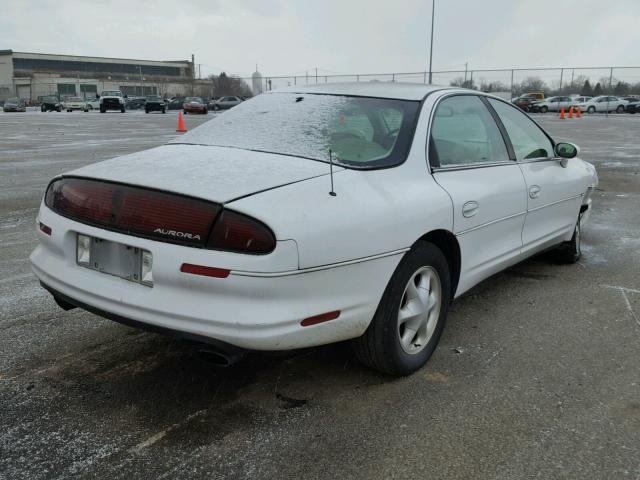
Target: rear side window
x=464, y=133
x=528, y=140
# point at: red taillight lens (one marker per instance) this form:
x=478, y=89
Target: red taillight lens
x=239, y=233
x=159, y=215
x=162, y=216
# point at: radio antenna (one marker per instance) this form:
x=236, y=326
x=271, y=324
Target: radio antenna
x=332, y=193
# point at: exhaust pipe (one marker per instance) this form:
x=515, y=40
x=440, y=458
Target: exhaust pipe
x=221, y=358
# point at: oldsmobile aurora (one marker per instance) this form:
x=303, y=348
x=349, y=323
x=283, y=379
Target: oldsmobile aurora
x=315, y=215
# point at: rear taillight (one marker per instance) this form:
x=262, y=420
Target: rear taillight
x=158, y=215
x=239, y=233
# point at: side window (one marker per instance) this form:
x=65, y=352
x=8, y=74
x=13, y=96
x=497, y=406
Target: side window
x=528, y=140
x=464, y=133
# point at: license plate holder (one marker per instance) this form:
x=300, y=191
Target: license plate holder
x=114, y=258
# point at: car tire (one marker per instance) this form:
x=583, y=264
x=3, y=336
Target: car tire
x=42, y=109
x=164, y=110
x=205, y=111
x=620, y=109
x=388, y=345
x=571, y=251
x=122, y=110
x=146, y=111
x=591, y=109
x=184, y=111
x=102, y=110
x=544, y=109
x=216, y=108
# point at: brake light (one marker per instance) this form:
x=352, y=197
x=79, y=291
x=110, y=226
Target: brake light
x=159, y=215
x=162, y=216
x=240, y=233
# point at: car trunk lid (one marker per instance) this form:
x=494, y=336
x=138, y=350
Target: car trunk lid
x=218, y=174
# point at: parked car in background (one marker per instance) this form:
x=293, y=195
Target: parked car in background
x=194, y=105
x=213, y=100
x=631, y=98
x=14, y=105
x=50, y=103
x=235, y=234
x=603, y=103
x=633, y=107
x=93, y=103
x=226, y=103
x=524, y=102
x=155, y=103
x=75, y=103
x=135, y=103
x=112, y=100
x=551, y=104
x=575, y=101
x=175, y=103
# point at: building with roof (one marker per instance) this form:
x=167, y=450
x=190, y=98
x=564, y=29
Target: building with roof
x=33, y=75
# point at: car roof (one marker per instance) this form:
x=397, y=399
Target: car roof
x=401, y=91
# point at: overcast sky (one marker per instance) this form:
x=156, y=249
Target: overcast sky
x=341, y=36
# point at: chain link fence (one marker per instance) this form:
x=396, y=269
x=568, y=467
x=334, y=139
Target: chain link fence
x=551, y=81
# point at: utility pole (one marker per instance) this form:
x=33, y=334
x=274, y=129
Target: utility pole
x=316, y=75
x=466, y=66
x=433, y=10
x=561, y=74
x=141, y=81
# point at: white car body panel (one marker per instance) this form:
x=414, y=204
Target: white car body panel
x=332, y=252
x=602, y=106
x=218, y=174
x=491, y=238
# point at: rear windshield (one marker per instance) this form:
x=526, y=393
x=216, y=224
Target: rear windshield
x=193, y=99
x=153, y=97
x=111, y=93
x=361, y=132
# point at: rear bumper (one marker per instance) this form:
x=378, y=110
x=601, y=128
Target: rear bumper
x=253, y=308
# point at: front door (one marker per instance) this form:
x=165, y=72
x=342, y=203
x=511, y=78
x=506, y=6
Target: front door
x=554, y=191
x=471, y=163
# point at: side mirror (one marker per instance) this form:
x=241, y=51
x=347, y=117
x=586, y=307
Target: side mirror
x=565, y=151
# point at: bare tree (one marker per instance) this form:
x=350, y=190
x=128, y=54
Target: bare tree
x=224, y=84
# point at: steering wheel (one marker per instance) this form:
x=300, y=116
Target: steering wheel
x=388, y=139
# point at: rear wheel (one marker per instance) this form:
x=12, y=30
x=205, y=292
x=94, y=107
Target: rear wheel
x=591, y=109
x=407, y=325
x=184, y=111
x=620, y=109
x=122, y=110
x=544, y=109
x=164, y=110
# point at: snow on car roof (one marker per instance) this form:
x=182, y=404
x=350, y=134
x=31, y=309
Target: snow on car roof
x=400, y=91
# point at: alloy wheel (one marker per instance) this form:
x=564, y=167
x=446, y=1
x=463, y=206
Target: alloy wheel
x=419, y=310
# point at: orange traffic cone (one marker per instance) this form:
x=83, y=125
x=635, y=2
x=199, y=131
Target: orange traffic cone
x=562, y=113
x=571, y=112
x=578, y=112
x=181, y=128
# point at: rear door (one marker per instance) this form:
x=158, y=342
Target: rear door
x=554, y=191
x=471, y=162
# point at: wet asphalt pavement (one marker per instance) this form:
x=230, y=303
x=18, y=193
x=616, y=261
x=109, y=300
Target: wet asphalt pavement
x=537, y=374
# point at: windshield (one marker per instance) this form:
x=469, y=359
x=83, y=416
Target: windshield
x=360, y=131
x=153, y=97
x=193, y=99
x=75, y=99
x=111, y=93
x=12, y=100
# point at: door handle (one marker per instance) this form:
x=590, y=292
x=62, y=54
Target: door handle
x=469, y=209
x=534, y=191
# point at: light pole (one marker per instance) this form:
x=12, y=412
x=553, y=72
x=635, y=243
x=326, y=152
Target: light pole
x=433, y=10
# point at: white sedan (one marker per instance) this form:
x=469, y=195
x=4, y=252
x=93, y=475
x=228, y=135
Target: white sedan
x=603, y=103
x=315, y=215
x=75, y=103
